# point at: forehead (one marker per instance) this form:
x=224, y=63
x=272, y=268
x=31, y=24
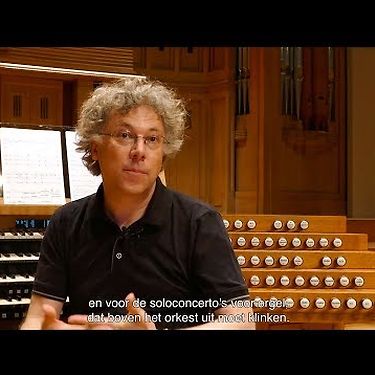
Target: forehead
x=137, y=119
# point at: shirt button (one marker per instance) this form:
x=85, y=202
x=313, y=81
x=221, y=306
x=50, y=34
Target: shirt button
x=118, y=255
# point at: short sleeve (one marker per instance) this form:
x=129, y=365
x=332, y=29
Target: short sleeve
x=50, y=279
x=215, y=268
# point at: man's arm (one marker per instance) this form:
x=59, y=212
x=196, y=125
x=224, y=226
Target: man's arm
x=36, y=314
x=218, y=274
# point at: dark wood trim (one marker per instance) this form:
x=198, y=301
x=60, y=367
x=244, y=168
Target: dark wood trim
x=366, y=225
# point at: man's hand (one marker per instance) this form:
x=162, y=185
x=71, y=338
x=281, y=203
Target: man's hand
x=51, y=320
x=81, y=321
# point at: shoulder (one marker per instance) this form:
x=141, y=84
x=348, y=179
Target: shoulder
x=74, y=209
x=192, y=207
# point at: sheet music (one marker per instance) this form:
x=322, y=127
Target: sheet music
x=32, y=168
x=82, y=182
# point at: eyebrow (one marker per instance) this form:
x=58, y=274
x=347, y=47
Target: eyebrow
x=126, y=125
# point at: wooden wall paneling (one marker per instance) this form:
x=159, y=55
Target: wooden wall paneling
x=170, y=171
x=160, y=58
x=84, y=87
x=37, y=101
x=184, y=172
x=247, y=162
x=259, y=73
x=231, y=184
x=307, y=166
x=179, y=67
x=46, y=103
x=220, y=67
x=191, y=59
x=361, y=132
x=218, y=172
x=69, y=104
x=15, y=101
x=270, y=115
x=364, y=225
x=139, y=59
x=339, y=125
x=1, y=96
x=104, y=59
x=208, y=84
x=248, y=141
x=217, y=59
x=205, y=149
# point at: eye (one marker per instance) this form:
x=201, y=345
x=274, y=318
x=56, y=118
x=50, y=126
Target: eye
x=152, y=139
x=125, y=135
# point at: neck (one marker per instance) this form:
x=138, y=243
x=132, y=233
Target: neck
x=125, y=210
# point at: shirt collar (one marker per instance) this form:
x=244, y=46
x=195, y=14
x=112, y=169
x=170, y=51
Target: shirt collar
x=156, y=211
x=159, y=206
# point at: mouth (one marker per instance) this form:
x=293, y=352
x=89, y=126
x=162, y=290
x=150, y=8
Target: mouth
x=134, y=171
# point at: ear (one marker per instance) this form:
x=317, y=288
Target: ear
x=94, y=151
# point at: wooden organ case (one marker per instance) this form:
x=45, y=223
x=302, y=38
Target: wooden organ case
x=304, y=272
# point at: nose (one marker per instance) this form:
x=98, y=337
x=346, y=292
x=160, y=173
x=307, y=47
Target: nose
x=137, y=151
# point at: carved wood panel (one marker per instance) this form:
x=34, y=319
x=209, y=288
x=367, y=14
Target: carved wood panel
x=162, y=58
x=191, y=59
x=32, y=101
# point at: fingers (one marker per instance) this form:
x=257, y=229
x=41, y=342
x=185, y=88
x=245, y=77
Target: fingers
x=133, y=309
x=78, y=319
x=136, y=318
x=50, y=317
x=49, y=312
x=51, y=320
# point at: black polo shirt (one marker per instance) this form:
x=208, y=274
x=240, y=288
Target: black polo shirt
x=177, y=258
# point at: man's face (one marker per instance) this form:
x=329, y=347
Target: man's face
x=130, y=167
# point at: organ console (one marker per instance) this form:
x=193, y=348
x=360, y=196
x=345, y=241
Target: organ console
x=20, y=237
x=304, y=271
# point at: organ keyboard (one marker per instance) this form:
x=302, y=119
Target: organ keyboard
x=19, y=254
x=304, y=271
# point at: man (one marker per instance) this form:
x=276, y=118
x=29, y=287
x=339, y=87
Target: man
x=135, y=254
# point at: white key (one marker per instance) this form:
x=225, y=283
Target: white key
x=16, y=258
x=17, y=279
x=23, y=301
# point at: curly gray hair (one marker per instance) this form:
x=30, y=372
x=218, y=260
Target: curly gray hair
x=122, y=96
